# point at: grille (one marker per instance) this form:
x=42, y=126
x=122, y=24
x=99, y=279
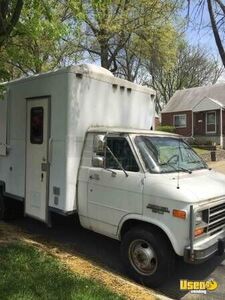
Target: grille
x=216, y=218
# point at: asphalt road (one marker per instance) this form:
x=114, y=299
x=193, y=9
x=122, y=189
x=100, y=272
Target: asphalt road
x=105, y=252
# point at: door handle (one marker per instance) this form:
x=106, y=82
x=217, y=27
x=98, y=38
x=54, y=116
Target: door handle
x=42, y=177
x=94, y=177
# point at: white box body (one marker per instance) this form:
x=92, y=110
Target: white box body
x=79, y=97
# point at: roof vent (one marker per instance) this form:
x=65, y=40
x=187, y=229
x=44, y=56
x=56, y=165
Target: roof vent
x=79, y=75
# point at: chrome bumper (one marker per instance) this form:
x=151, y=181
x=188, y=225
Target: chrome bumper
x=202, y=252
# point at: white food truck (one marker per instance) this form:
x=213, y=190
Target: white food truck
x=78, y=141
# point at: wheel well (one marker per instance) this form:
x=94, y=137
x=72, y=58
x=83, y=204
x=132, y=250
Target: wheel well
x=138, y=223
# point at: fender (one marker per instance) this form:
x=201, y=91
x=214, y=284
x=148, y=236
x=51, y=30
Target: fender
x=157, y=223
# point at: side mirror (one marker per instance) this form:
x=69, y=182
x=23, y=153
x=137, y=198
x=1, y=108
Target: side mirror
x=99, y=143
x=98, y=161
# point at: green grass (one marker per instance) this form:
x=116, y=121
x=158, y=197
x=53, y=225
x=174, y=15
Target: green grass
x=200, y=151
x=27, y=273
x=166, y=152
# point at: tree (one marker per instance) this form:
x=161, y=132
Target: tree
x=215, y=27
x=160, y=48
x=108, y=26
x=44, y=40
x=193, y=67
x=9, y=15
x=216, y=10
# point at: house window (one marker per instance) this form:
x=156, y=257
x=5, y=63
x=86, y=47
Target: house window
x=211, y=122
x=180, y=121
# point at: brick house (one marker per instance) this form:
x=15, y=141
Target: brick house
x=198, y=112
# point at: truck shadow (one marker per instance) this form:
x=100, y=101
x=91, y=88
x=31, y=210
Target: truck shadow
x=105, y=252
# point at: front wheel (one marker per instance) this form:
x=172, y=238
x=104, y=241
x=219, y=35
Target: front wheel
x=147, y=256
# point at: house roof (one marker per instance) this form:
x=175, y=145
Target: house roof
x=184, y=100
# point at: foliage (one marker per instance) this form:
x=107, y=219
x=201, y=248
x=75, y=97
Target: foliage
x=159, y=49
x=108, y=27
x=40, y=43
x=27, y=273
x=9, y=16
x=192, y=67
x=3, y=90
x=166, y=128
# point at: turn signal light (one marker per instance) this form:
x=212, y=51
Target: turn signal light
x=179, y=214
x=199, y=231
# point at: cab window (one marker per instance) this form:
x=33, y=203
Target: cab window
x=122, y=151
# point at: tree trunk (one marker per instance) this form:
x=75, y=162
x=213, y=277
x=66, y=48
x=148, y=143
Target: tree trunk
x=216, y=32
x=104, y=55
x=7, y=25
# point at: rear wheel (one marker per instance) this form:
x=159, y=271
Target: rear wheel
x=147, y=256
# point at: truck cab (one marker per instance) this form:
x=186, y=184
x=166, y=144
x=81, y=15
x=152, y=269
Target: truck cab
x=151, y=191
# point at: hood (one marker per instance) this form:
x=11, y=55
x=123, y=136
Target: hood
x=198, y=186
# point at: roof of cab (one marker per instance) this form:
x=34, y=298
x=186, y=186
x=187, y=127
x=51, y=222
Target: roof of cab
x=102, y=129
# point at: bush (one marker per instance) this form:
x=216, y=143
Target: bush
x=166, y=128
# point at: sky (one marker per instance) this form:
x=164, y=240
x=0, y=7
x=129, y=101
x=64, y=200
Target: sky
x=199, y=33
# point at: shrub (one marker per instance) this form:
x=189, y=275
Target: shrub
x=166, y=128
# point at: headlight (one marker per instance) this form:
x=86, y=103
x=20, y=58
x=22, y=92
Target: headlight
x=200, y=224
x=199, y=218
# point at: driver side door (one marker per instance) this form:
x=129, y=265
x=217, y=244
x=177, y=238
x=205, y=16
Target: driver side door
x=112, y=194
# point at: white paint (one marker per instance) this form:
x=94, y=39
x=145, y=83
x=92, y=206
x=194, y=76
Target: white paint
x=111, y=198
x=3, y=125
x=221, y=128
x=207, y=104
x=93, y=99
x=106, y=202
x=36, y=155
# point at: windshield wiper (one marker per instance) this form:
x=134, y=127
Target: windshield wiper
x=195, y=162
x=177, y=169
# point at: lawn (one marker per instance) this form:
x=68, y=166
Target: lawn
x=27, y=273
x=200, y=151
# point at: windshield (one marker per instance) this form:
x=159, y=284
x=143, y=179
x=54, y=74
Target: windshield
x=168, y=154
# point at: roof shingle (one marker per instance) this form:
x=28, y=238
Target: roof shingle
x=184, y=100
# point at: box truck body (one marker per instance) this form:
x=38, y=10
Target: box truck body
x=62, y=105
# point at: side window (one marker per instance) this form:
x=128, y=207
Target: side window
x=36, y=125
x=122, y=151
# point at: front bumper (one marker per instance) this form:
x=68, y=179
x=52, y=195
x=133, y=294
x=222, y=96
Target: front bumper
x=204, y=250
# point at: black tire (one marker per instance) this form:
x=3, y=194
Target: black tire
x=148, y=257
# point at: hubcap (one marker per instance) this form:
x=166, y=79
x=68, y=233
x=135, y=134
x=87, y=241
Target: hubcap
x=143, y=257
